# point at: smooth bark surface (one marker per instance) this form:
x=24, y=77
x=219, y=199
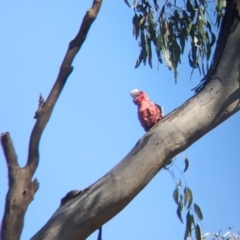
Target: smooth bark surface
x=21, y=186
x=217, y=101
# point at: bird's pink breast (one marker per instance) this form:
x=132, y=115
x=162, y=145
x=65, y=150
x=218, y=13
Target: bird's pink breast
x=149, y=114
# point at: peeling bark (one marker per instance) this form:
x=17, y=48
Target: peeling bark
x=214, y=103
x=21, y=186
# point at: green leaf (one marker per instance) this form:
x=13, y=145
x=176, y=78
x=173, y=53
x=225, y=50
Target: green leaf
x=143, y=54
x=196, y=4
x=149, y=52
x=151, y=30
x=197, y=232
x=189, y=27
x=201, y=28
x=142, y=21
x=189, y=6
x=191, y=63
x=199, y=69
x=99, y=233
x=208, y=48
x=158, y=43
x=213, y=39
x=175, y=195
x=135, y=3
x=219, y=4
x=189, y=221
x=182, y=41
x=186, y=17
x=128, y=4
x=162, y=11
x=203, y=2
x=198, y=211
x=209, y=27
x=188, y=197
x=165, y=33
x=186, y=164
x=192, y=57
x=175, y=52
x=135, y=22
x=190, y=9
x=167, y=58
x=203, y=69
x=181, y=198
x=179, y=212
x=156, y=5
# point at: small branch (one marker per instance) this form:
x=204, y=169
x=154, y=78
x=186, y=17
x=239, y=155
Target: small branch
x=21, y=187
x=40, y=106
x=8, y=150
x=43, y=114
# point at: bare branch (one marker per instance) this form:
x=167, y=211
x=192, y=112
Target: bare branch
x=64, y=72
x=8, y=150
x=20, y=193
x=40, y=106
x=21, y=187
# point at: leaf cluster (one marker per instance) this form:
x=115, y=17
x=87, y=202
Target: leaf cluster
x=183, y=197
x=168, y=28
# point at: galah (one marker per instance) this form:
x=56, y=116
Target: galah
x=149, y=113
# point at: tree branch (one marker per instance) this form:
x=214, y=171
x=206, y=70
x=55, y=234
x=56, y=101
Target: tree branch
x=8, y=149
x=65, y=70
x=77, y=218
x=21, y=187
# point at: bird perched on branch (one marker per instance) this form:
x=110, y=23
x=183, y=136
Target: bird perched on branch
x=149, y=113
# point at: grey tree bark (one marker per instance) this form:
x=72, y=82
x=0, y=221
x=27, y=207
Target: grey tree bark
x=217, y=100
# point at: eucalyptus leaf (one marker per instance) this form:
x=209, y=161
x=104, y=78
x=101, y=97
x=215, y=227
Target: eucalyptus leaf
x=188, y=197
x=149, y=52
x=182, y=41
x=200, y=26
x=175, y=195
x=167, y=58
x=162, y=11
x=188, y=229
x=198, y=211
x=197, y=232
x=128, y=4
x=135, y=2
x=186, y=164
x=135, y=22
x=179, y=212
x=219, y=4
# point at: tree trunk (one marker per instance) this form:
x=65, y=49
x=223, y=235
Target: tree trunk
x=217, y=101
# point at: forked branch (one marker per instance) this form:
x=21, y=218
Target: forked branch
x=21, y=187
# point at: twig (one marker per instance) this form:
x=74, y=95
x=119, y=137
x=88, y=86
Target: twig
x=8, y=149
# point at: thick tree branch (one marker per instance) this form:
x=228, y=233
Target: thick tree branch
x=86, y=212
x=21, y=187
x=228, y=24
